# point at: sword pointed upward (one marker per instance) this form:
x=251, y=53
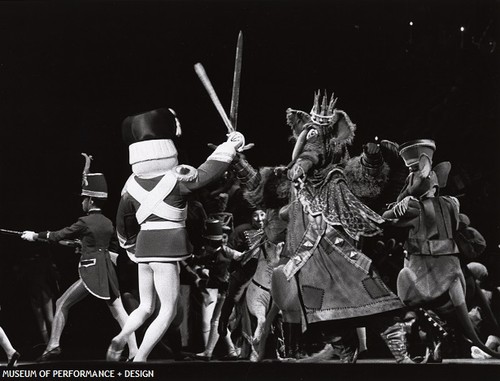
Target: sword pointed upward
x=200, y=71
x=235, y=97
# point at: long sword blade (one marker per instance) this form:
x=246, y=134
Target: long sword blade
x=7, y=231
x=200, y=71
x=235, y=97
x=65, y=242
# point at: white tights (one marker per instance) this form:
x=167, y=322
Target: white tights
x=211, y=317
x=155, y=278
x=5, y=344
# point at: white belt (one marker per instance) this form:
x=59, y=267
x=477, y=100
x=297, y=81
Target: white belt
x=162, y=225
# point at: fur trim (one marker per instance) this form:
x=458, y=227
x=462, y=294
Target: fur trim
x=273, y=190
x=361, y=183
x=345, y=131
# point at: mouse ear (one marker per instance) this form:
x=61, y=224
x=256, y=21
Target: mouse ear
x=424, y=165
x=442, y=171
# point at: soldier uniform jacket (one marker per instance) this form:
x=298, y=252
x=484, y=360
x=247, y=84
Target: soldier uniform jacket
x=152, y=211
x=96, y=270
x=433, y=251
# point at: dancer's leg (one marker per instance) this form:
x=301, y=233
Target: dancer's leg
x=209, y=302
x=140, y=314
x=75, y=293
x=48, y=313
x=120, y=315
x=5, y=344
x=40, y=320
x=361, y=332
x=43, y=309
x=214, y=334
x=184, y=295
x=166, y=284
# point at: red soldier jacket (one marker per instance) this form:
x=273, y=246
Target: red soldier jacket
x=152, y=211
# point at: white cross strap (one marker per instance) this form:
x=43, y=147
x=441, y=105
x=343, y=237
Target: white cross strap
x=152, y=201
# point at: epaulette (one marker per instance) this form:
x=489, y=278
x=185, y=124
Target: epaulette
x=185, y=173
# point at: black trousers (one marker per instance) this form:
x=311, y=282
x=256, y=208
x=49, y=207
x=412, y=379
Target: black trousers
x=237, y=281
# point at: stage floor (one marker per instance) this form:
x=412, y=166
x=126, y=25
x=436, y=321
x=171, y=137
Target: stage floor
x=380, y=369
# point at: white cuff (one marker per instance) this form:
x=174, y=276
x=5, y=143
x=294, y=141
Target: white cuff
x=224, y=152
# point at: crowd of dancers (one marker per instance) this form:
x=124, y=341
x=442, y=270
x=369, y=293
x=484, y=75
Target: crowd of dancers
x=328, y=257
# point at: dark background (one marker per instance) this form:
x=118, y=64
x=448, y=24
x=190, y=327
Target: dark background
x=70, y=72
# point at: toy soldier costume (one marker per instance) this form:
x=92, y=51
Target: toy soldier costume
x=152, y=213
x=96, y=270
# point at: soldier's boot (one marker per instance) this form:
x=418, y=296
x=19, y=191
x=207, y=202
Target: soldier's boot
x=395, y=339
x=346, y=350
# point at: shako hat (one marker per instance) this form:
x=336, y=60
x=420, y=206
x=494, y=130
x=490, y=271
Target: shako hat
x=93, y=184
x=213, y=229
x=417, y=155
x=412, y=151
x=151, y=134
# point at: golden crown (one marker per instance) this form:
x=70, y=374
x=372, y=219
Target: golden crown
x=324, y=112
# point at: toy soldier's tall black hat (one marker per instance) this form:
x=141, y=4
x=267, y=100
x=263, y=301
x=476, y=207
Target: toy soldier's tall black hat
x=93, y=184
x=151, y=135
x=412, y=151
x=213, y=229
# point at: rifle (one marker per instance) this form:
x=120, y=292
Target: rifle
x=76, y=243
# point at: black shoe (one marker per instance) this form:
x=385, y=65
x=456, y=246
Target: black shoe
x=364, y=355
x=202, y=357
x=229, y=358
x=183, y=356
x=50, y=355
x=13, y=360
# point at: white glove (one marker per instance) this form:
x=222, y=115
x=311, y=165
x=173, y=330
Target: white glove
x=401, y=207
x=29, y=235
x=236, y=139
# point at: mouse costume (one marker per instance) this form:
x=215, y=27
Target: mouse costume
x=432, y=221
x=432, y=276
